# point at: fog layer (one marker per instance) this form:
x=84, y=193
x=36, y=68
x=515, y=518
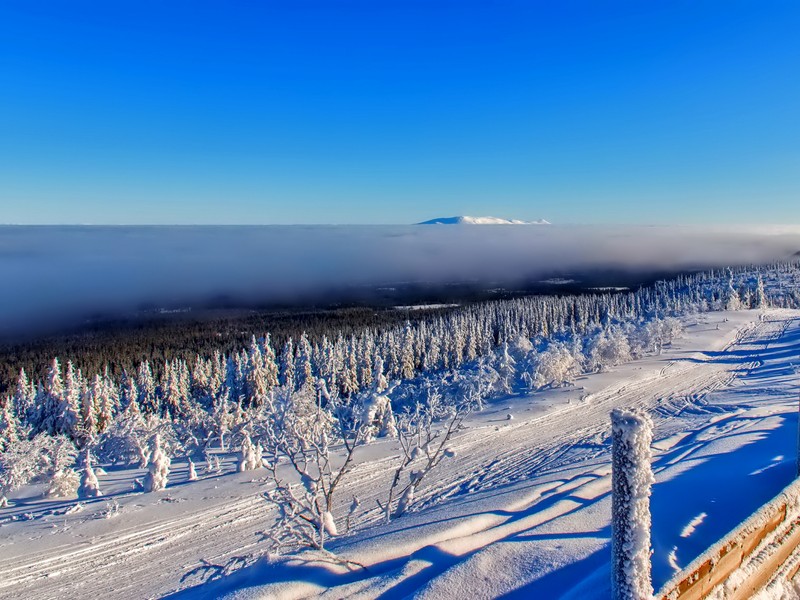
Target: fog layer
x=52, y=273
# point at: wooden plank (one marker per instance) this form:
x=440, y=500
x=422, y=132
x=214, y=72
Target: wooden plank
x=764, y=573
x=709, y=574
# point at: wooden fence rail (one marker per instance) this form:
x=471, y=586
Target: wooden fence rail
x=779, y=518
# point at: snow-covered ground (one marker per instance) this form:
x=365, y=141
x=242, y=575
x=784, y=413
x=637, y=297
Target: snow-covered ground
x=522, y=510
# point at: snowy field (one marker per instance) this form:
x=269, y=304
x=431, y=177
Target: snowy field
x=522, y=510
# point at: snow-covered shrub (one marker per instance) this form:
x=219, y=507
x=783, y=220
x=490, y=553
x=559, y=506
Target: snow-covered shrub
x=38, y=459
x=631, y=480
x=213, y=464
x=63, y=484
x=377, y=416
x=192, y=471
x=158, y=469
x=125, y=440
x=523, y=344
x=609, y=348
x=554, y=367
x=89, y=486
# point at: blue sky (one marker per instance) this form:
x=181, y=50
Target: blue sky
x=391, y=112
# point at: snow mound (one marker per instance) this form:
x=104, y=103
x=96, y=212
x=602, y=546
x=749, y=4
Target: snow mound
x=481, y=221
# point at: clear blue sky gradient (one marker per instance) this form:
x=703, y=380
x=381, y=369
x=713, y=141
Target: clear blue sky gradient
x=384, y=111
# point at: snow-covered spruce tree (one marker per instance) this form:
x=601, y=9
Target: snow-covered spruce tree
x=10, y=427
x=506, y=369
x=157, y=471
x=732, y=299
x=22, y=400
x=761, y=296
x=287, y=377
x=303, y=371
x=109, y=402
x=376, y=414
x=128, y=395
x=89, y=486
x=64, y=480
x=407, y=353
x=54, y=412
x=256, y=382
x=423, y=446
x=90, y=399
x=631, y=479
x=300, y=428
x=148, y=400
x=250, y=455
x=221, y=416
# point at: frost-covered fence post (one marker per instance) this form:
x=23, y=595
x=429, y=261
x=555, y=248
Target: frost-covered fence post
x=631, y=478
x=797, y=372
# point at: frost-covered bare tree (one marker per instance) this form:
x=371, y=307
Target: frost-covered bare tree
x=310, y=438
x=423, y=434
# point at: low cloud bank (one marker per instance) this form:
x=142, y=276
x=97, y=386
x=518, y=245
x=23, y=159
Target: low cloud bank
x=52, y=273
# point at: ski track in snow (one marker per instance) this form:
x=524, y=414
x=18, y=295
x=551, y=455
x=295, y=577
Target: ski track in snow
x=563, y=450
x=129, y=558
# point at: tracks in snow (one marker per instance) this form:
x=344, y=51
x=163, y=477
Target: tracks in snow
x=576, y=433
x=126, y=561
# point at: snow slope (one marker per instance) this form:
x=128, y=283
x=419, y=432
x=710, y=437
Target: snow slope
x=522, y=511
x=466, y=220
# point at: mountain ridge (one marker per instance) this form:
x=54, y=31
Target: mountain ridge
x=467, y=220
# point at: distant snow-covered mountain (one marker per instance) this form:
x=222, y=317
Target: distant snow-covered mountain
x=481, y=221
